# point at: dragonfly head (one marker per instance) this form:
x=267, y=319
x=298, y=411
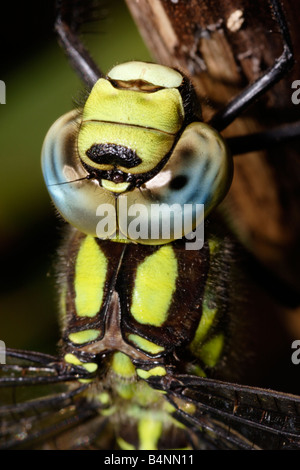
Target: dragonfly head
x=139, y=136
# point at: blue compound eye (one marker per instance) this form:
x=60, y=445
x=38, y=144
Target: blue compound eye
x=198, y=172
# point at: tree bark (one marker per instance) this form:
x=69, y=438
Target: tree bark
x=223, y=45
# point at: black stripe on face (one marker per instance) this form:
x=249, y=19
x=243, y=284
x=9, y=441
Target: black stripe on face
x=112, y=154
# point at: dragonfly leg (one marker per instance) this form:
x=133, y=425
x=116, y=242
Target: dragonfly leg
x=281, y=66
x=67, y=28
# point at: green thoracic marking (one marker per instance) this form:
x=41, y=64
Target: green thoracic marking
x=211, y=350
x=72, y=359
x=145, y=374
x=62, y=305
x=195, y=369
x=108, y=411
x=124, y=445
x=104, y=398
x=122, y=365
x=208, y=345
x=145, y=395
x=84, y=336
x=214, y=246
x=149, y=431
x=90, y=366
x=205, y=324
x=125, y=390
x=141, y=392
x=145, y=345
x=90, y=274
x=154, y=286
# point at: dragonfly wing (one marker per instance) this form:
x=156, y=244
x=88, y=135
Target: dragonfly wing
x=234, y=416
x=40, y=397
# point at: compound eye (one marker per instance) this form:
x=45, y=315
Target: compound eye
x=198, y=173
x=74, y=194
x=199, y=170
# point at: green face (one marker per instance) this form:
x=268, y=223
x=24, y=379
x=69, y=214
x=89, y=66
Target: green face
x=129, y=119
x=137, y=141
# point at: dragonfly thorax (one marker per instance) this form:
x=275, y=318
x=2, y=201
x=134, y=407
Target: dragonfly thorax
x=123, y=299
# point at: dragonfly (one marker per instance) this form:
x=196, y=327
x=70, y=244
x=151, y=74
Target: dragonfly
x=148, y=327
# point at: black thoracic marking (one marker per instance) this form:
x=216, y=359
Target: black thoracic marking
x=112, y=154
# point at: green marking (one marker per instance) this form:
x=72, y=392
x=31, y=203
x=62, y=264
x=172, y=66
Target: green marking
x=157, y=413
x=149, y=431
x=62, y=305
x=72, y=359
x=119, y=239
x=125, y=390
x=207, y=345
x=104, y=398
x=108, y=411
x=89, y=366
x=122, y=365
x=114, y=187
x=124, y=445
x=84, y=336
x=205, y=324
x=214, y=245
x=90, y=274
x=145, y=395
x=197, y=370
x=168, y=407
x=145, y=374
x=178, y=424
x=211, y=350
x=145, y=345
x=154, y=286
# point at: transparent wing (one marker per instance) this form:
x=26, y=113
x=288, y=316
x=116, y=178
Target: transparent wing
x=232, y=416
x=42, y=403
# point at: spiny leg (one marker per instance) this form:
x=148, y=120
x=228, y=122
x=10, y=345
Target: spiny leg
x=70, y=15
x=225, y=116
